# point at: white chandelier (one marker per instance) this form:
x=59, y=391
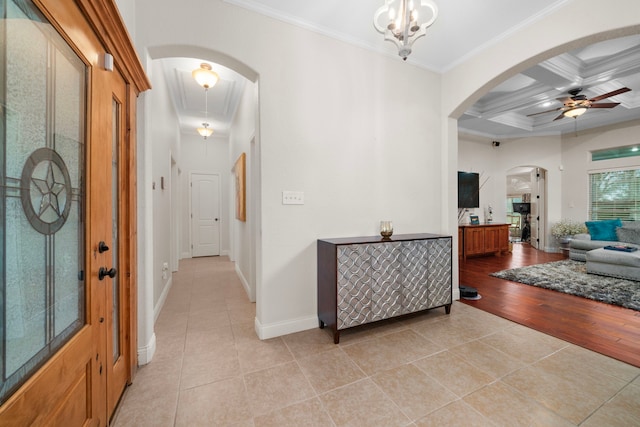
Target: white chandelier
x=398, y=21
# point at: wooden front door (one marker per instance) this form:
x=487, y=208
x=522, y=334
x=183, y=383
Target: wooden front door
x=114, y=215
x=67, y=196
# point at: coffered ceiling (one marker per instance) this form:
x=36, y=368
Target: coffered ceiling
x=598, y=69
x=463, y=28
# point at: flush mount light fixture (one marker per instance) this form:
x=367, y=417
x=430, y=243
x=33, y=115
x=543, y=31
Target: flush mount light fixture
x=204, y=76
x=207, y=79
x=399, y=21
x=205, y=130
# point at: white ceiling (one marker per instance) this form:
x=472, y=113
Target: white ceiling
x=463, y=28
x=192, y=105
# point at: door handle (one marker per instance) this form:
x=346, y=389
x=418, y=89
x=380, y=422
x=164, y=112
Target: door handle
x=103, y=272
x=216, y=219
x=102, y=247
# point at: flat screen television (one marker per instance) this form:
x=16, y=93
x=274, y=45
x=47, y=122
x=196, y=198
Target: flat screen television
x=468, y=190
x=522, y=208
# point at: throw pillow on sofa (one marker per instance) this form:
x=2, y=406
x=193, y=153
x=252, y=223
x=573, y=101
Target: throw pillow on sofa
x=628, y=235
x=604, y=229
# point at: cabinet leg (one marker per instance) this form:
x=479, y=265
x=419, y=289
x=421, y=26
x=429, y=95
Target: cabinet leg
x=321, y=324
x=336, y=337
x=447, y=308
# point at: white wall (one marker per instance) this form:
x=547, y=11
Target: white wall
x=477, y=154
x=165, y=144
x=365, y=137
x=576, y=161
x=127, y=13
x=211, y=156
x=331, y=126
x=242, y=140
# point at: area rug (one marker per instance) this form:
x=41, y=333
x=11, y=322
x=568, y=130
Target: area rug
x=571, y=277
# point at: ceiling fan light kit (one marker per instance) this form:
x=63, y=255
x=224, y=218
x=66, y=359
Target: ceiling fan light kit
x=577, y=104
x=398, y=20
x=575, y=112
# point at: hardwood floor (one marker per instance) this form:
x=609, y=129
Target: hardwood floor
x=604, y=328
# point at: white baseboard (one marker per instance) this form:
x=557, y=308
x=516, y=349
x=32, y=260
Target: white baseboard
x=456, y=294
x=284, y=328
x=163, y=298
x=245, y=284
x=185, y=255
x=224, y=252
x=146, y=352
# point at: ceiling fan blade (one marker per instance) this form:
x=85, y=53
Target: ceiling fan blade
x=610, y=94
x=561, y=116
x=544, y=112
x=605, y=105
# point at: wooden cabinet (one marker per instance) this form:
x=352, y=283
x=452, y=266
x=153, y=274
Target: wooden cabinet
x=366, y=279
x=484, y=239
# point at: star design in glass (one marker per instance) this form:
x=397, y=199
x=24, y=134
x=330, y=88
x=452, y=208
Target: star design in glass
x=50, y=189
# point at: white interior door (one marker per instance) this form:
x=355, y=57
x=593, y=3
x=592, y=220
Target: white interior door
x=205, y=214
x=537, y=208
x=540, y=185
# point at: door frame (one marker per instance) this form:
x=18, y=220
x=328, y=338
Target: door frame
x=92, y=28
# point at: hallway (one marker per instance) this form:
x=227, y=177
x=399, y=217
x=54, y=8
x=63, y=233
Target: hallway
x=469, y=368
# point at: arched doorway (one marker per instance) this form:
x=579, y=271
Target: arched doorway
x=527, y=204
x=490, y=68
x=193, y=155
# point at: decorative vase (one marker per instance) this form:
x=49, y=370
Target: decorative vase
x=564, y=242
x=386, y=229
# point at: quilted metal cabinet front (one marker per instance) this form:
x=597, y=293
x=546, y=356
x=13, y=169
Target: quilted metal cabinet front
x=354, y=286
x=439, y=274
x=415, y=257
x=386, y=283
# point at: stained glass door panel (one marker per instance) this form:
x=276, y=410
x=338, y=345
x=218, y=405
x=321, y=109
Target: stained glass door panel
x=42, y=151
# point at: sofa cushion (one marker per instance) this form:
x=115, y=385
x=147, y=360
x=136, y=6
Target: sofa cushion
x=630, y=259
x=604, y=229
x=587, y=245
x=628, y=235
x=631, y=224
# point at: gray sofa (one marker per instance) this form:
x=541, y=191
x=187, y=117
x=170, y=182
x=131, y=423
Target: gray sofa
x=625, y=265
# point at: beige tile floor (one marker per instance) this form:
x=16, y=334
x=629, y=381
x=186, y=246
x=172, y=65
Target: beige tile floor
x=469, y=368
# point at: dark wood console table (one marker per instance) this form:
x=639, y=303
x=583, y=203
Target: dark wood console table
x=366, y=279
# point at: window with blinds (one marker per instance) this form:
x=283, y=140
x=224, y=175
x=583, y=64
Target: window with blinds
x=615, y=194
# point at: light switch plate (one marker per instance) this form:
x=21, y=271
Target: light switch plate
x=293, y=197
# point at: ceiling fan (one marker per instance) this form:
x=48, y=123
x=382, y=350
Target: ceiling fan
x=576, y=104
